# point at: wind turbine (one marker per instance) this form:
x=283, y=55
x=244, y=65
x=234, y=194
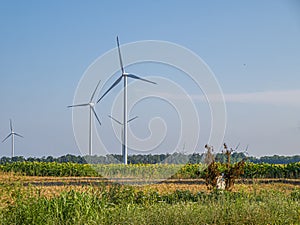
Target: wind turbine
x=12, y=134
x=122, y=124
x=124, y=76
x=91, y=104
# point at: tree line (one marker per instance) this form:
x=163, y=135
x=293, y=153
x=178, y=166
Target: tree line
x=174, y=158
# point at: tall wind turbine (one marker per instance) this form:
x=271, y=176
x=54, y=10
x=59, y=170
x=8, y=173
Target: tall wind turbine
x=12, y=134
x=91, y=104
x=124, y=75
x=122, y=124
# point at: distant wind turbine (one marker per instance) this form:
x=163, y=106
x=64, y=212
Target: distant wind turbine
x=12, y=134
x=91, y=104
x=124, y=75
x=122, y=124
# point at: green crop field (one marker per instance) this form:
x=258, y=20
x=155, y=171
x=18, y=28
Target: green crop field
x=158, y=171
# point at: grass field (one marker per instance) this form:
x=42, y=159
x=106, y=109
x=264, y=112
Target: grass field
x=85, y=200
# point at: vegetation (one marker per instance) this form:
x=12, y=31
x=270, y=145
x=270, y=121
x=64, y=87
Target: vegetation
x=49, y=169
x=212, y=176
x=151, y=171
x=118, y=204
x=108, y=203
x=175, y=158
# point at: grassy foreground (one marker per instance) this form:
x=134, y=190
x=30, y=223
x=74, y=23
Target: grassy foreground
x=116, y=204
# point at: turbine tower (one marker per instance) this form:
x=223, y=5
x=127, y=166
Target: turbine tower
x=91, y=104
x=12, y=134
x=124, y=76
x=122, y=124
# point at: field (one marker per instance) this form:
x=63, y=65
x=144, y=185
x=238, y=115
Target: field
x=88, y=199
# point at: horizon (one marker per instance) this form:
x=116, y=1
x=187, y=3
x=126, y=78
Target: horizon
x=84, y=156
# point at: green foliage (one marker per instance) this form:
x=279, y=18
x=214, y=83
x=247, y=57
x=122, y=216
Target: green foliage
x=174, y=158
x=295, y=194
x=126, y=205
x=49, y=169
x=265, y=170
x=147, y=171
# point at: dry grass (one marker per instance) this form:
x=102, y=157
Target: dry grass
x=51, y=186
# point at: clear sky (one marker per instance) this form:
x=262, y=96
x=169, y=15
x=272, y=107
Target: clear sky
x=251, y=46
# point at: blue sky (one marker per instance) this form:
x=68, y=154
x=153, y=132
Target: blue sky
x=251, y=46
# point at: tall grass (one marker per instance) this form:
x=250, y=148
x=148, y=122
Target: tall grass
x=127, y=205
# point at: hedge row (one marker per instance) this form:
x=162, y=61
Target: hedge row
x=159, y=171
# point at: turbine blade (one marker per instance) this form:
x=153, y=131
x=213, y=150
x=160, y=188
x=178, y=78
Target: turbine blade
x=10, y=125
x=6, y=137
x=139, y=78
x=86, y=104
x=247, y=148
x=19, y=135
x=132, y=119
x=117, y=121
x=120, y=57
x=112, y=86
x=96, y=115
x=95, y=91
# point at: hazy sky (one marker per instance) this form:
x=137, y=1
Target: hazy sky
x=251, y=46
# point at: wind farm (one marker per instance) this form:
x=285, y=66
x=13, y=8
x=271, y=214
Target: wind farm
x=139, y=112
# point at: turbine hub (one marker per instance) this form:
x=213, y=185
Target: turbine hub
x=92, y=104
